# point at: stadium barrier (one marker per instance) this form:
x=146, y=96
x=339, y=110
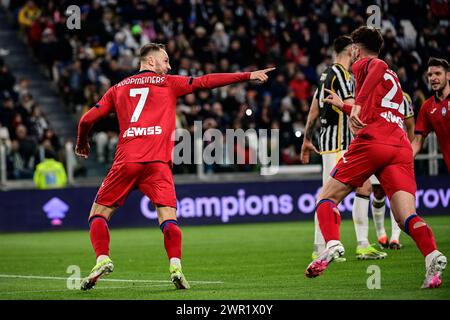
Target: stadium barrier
x=198, y=204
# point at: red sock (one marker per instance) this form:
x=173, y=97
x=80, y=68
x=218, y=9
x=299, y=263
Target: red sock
x=329, y=219
x=99, y=233
x=421, y=234
x=172, y=238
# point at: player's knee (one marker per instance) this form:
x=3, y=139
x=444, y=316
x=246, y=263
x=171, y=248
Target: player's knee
x=365, y=190
x=328, y=194
x=94, y=217
x=100, y=210
x=323, y=199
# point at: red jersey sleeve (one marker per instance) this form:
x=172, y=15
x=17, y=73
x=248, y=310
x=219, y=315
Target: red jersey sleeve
x=423, y=125
x=182, y=85
x=101, y=109
x=106, y=103
x=375, y=72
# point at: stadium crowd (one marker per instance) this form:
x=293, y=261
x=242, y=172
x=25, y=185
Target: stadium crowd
x=204, y=36
x=24, y=129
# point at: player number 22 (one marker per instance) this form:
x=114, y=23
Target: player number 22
x=143, y=92
x=387, y=99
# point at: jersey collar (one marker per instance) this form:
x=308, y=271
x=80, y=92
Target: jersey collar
x=144, y=71
x=336, y=63
x=436, y=99
x=357, y=67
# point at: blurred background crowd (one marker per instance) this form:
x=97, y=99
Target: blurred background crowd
x=204, y=36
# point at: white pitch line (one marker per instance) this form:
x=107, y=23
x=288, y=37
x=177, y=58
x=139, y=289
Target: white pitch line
x=96, y=289
x=109, y=280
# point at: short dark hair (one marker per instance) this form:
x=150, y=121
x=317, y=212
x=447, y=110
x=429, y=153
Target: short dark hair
x=148, y=48
x=340, y=43
x=369, y=37
x=438, y=62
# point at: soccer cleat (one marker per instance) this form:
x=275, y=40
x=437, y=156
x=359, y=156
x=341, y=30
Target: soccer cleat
x=369, y=253
x=395, y=245
x=315, y=255
x=383, y=242
x=319, y=265
x=102, y=268
x=178, y=278
x=434, y=271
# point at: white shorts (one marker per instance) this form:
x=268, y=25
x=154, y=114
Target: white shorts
x=329, y=160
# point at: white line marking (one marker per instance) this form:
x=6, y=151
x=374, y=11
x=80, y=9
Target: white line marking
x=109, y=280
x=65, y=290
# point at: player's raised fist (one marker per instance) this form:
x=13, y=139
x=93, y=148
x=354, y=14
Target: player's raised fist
x=261, y=75
x=82, y=150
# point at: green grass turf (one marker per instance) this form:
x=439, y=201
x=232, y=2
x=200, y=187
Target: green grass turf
x=254, y=261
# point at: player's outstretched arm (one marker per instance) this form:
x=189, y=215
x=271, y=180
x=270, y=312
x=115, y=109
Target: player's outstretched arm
x=260, y=75
x=308, y=146
x=214, y=80
x=182, y=85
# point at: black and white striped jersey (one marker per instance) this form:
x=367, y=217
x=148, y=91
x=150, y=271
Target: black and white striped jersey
x=334, y=131
x=407, y=107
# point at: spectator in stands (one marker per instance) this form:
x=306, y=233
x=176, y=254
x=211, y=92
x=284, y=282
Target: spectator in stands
x=48, y=49
x=4, y=137
x=300, y=86
x=294, y=53
x=21, y=88
x=116, y=48
x=221, y=39
x=50, y=173
x=38, y=124
x=294, y=35
x=28, y=14
x=50, y=136
x=76, y=83
x=23, y=154
x=25, y=105
x=7, y=81
x=7, y=113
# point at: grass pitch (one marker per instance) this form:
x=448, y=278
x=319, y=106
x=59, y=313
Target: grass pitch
x=251, y=261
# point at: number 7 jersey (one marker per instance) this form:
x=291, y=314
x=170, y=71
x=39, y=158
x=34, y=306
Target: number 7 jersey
x=145, y=104
x=378, y=92
x=145, y=108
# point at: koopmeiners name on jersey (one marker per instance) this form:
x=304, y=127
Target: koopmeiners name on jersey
x=137, y=131
x=142, y=80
